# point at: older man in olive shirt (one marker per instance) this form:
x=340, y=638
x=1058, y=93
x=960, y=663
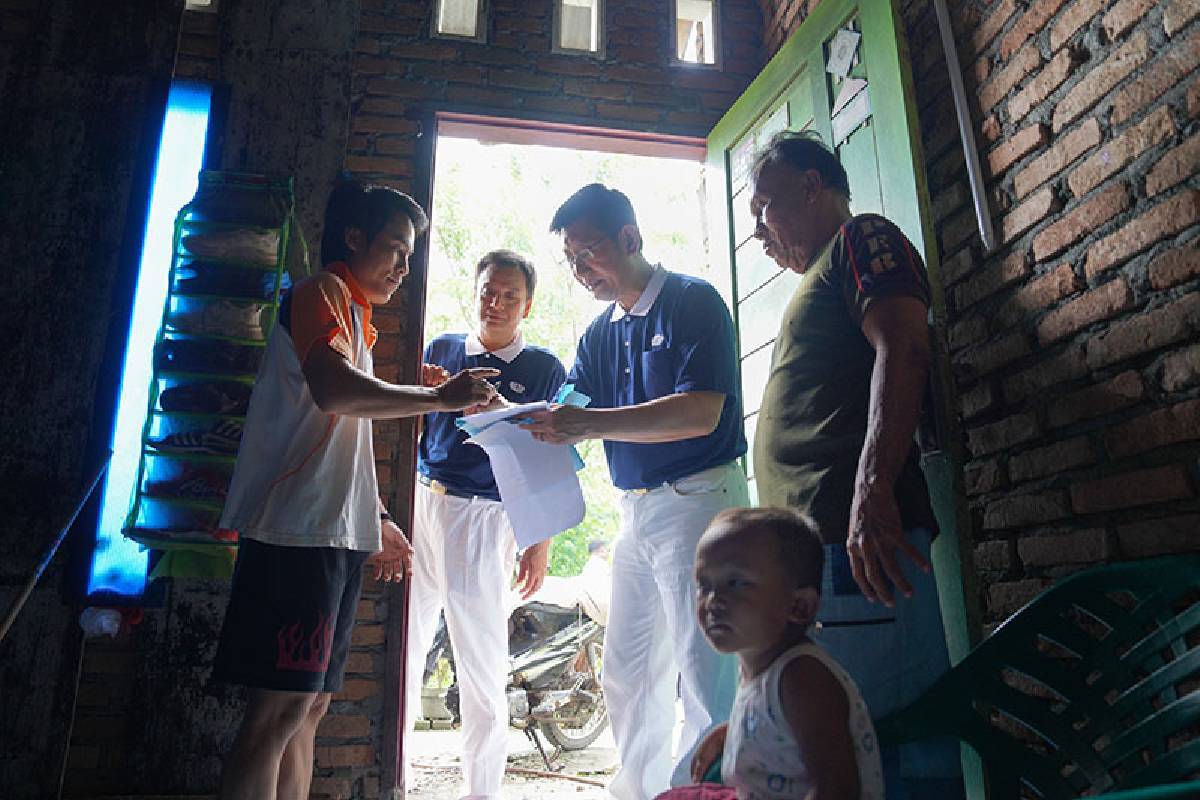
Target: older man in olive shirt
x=835, y=436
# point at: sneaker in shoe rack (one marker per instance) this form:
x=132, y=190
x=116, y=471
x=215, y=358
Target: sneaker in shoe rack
x=256, y=247
x=224, y=438
x=221, y=318
x=192, y=484
x=221, y=440
x=206, y=398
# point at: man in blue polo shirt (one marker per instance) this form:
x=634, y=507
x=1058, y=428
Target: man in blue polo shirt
x=463, y=544
x=661, y=369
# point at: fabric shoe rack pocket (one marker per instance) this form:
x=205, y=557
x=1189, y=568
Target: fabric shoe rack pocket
x=228, y=271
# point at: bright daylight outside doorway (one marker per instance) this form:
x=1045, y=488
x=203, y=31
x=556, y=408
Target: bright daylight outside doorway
x=489, y=196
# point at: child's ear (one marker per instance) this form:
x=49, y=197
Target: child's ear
x=805, y=602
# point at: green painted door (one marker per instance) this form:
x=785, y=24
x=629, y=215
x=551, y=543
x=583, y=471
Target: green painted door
x=845, y=74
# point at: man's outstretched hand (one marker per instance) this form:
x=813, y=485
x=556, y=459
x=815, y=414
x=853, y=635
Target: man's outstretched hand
x=468, y=388
x=433, y=375
x=876, y=537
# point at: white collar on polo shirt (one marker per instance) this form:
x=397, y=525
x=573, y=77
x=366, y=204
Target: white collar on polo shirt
x=645, y=300
x=505, y=354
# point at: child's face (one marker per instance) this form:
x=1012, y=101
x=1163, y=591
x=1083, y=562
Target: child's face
x=745, y=598
x=380, y=265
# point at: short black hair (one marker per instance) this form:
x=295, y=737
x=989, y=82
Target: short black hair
x=368, y=208
x=802, y=151
x=596, y=544
x=509, y=259
x=609, y=210
x=800, y=546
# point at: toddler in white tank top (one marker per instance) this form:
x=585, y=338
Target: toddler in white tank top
x=799, y=728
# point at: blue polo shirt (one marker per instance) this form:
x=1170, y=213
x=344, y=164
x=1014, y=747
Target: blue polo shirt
x=527, y=374
x=678, y=337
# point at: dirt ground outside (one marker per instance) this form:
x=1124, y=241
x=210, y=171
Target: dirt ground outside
x=436, y=773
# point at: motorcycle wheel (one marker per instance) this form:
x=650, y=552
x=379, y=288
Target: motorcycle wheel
x=570, y=736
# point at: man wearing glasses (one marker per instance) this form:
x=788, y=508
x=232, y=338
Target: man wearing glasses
x=661, y=368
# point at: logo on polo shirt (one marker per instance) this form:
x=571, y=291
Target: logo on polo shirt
x=517, y=387
x=657, y=340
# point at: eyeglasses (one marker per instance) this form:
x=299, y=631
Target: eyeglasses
x=582, y=256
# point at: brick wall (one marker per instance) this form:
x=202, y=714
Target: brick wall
x=1073, y=345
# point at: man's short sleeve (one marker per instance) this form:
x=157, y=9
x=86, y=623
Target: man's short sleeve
x=580, y=374
x=876, y=260
x=321, y=313
x=705, y=342
x=558, y=376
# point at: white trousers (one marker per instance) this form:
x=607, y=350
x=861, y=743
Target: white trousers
x=462, y=563
x=653, y=639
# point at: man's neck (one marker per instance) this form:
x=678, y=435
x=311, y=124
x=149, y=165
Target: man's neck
x=639, y=278
x=494, y=342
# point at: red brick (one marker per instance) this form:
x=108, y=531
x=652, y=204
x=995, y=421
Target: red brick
x=1085, y=218
x=1032, y=20
x=1004, y=80
x=1178, y=14
x=331, y=788
x=966, y=331
x=1106, y=301
x=1015, y=511
x=1113, y=156
x=1146, y=332
x=389, y=23
x=1076, y=16
x=357, y=689
x=558, y=104
x=368, y=634
x=993, y=556
x=344, y=726
x=1006, y=598
x=987, y=28
x=994, y=276
x=631, y=74
x=394, y=146
x=380, y=165
x=1040, y=293
x=1157, y=537
x=1066, y=366
x=1077, y=547
x=596, y=89
x=1050, y=78
x=1173, y=64
x=1166, y=426
x=990, y=128
x=383, y=106
x=1181, y=368
x=398, y=87
x=345, y=755
x=448, y=71
x=981, y=477
x=1100, y=79
x=1051, y=459
x=1165, y=219
x=1176, y=265
x=1131, y=489
x=481, y=96
x=1016, y=147
x=360, y=663
x=1103, y=398
x=517, y=79
x=1124, y=15
x=956, y=267
x=976, y=401
x=569, y=65
x=1028, y=213
x=1175, y=167
x=1002, y=435
x=626, y=112
x=986, y=358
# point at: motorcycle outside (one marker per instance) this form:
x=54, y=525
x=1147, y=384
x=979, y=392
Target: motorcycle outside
x=555, y=662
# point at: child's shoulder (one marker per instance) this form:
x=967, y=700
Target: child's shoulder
x=811, y=682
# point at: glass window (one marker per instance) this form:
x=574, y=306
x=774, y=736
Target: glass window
x=577, y=26
x=462, y=18
x=696, y=31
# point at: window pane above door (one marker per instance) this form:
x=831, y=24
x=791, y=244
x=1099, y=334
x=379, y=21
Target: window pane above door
x=458, y=18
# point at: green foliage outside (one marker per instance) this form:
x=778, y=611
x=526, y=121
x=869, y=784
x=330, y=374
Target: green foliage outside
x=504, y=196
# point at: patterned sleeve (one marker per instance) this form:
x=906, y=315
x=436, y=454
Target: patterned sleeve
x=321, y=313
x=876, y=260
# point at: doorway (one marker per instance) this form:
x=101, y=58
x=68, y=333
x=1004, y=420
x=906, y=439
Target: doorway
x=496, y=184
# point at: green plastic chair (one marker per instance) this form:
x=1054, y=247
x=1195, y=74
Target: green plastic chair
x=1093, y=686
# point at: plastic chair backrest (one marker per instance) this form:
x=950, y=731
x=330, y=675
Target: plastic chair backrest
x=1093, y=686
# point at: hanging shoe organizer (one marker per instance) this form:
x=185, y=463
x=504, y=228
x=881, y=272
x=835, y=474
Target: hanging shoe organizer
x=228, y=270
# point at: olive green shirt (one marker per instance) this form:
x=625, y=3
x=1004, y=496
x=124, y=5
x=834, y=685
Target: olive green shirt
x=813, y=418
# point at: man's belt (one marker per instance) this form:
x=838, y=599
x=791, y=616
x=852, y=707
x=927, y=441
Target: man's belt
x=437, y=487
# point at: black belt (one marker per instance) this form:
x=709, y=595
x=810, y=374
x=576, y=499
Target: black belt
x=437, y=487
